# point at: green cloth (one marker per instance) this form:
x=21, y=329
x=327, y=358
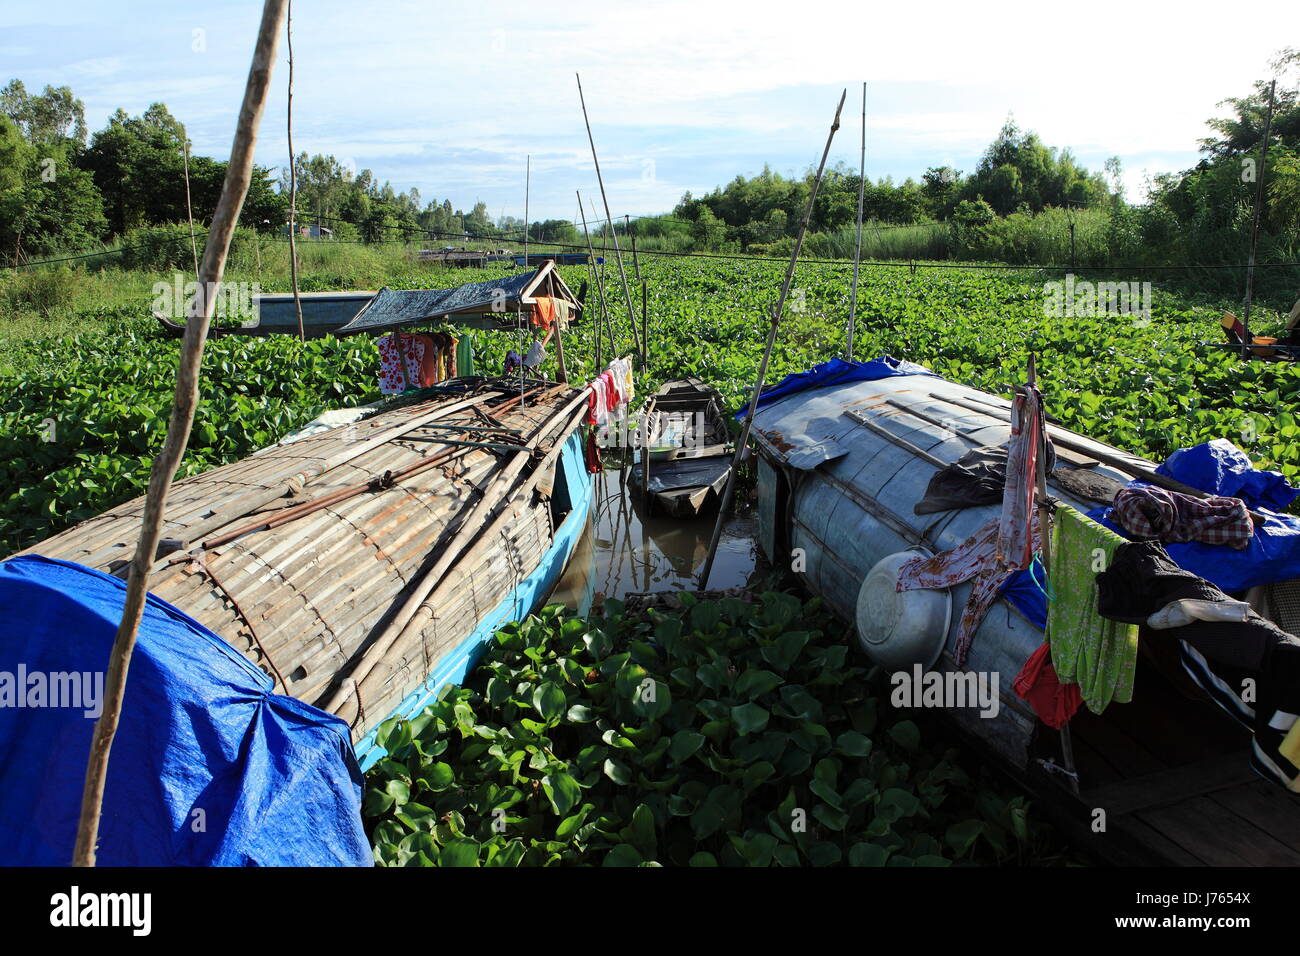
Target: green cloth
x=465, y=355
x=1098, y=654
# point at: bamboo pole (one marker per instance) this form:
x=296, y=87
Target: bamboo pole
x=474, y=531
x=293, y=180
x=189, y=208
x=1254, y=226
x=609, y=222
x=857, y=249
x=767, y=354
x=598, y=280
x=238, y=173
x=636, y=261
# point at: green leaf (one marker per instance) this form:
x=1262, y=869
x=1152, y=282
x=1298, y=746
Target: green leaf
x=549, y=701
x=906, y=735
x=622, y=855
x=755, y=683
x=459, y=852
x=853, y=744
x=749, y=718
x=562, y=790
x=685, y=743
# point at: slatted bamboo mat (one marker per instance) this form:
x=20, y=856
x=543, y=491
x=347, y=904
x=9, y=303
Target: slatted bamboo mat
x=304, y=598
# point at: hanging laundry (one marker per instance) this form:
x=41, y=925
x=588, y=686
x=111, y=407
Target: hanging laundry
x=1014, y=547
x=1143, y=585
x=535, y=356
x=1098, y=654
x=544, y=312
x=513, y=361
x=598, y=402
x=465, y=355
x=1149, y=512
x=594, y=465
x=973, y=560
x=452, y=355
x=430, y=371
x=1038, y=684
x=400, y=360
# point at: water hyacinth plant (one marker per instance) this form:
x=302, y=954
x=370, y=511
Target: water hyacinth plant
x=740, y=734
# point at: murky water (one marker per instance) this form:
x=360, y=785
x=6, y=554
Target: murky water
x=624, y=551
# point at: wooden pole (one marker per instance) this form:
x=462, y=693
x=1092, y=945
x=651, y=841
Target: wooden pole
x=1254, y=226
x=528, y=182
x=857, y=249
x=609, y=221
x=238, y=173
x=189, y=208
x=767, y=355
x=645, y=323
x=293, y=181
x=636, y=261
x=599, y=281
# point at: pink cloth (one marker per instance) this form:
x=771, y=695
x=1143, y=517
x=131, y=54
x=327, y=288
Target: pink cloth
x=1014, y=548
x=975, y=560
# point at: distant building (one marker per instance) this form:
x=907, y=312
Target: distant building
x=312, y=231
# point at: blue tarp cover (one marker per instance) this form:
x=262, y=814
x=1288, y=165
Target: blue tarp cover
x=1218, y=468
x=208, y=766
x=837, y=372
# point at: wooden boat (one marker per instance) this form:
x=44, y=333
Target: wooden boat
x=1170, y=769
x=364, y=567
x=274, y=314
x=688, y=453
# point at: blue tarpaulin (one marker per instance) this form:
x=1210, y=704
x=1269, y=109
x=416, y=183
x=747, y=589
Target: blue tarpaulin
x=1218, y=468
x=837, y=372
x=208, y=766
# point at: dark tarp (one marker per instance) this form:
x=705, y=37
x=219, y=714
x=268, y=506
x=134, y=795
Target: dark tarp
x=394, y=307
x=208, y=767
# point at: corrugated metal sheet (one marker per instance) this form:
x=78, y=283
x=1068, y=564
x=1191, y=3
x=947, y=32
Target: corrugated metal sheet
x=848, y=513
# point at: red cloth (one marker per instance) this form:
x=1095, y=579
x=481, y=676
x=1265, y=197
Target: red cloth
x=1037, y=683
x=594, y=465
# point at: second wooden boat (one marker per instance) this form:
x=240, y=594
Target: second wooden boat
x=687, y=450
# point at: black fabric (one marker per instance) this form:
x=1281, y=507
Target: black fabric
x=974, y=479
x=1142, y=579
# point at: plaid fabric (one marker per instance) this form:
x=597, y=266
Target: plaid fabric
x=1147, y=512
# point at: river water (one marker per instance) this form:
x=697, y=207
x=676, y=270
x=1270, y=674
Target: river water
x=625, y=551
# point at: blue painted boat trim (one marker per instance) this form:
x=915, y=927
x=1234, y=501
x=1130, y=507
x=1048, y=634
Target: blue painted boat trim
x=525, y=598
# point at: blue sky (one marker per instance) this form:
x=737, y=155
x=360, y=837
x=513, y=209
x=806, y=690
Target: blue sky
x=683, y=95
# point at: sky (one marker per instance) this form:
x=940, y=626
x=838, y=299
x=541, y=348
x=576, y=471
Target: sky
x=453, y=98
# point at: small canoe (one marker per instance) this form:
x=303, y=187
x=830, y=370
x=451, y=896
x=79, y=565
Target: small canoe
x=688, y=452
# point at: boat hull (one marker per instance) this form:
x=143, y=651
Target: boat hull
x=833, y=518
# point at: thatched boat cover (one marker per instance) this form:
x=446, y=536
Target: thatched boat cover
x=299, y=555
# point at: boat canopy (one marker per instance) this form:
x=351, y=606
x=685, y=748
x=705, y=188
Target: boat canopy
x=493, y=298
